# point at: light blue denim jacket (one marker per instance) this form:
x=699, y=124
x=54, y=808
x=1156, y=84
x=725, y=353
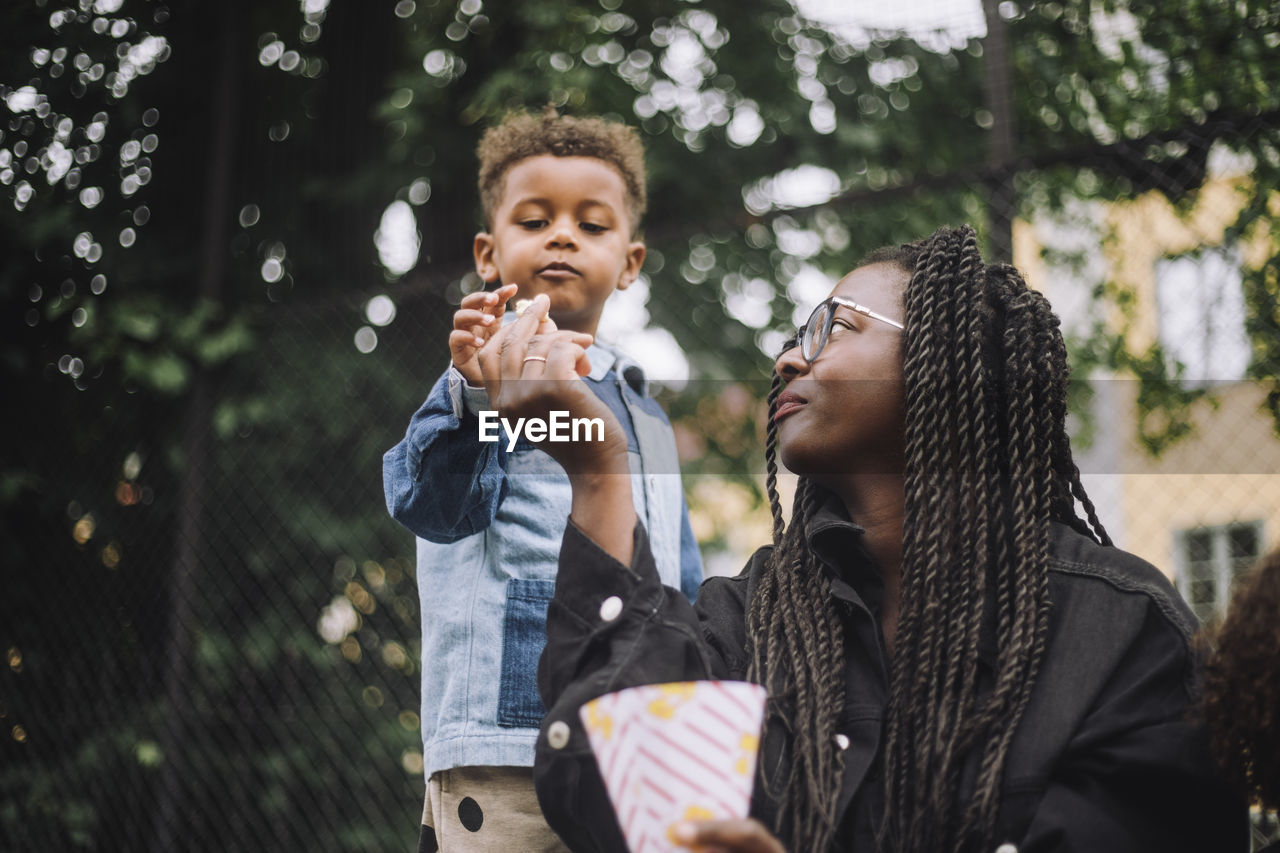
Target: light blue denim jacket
x=489, y=524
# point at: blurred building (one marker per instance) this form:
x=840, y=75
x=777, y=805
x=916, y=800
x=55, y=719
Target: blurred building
x=1171, y=275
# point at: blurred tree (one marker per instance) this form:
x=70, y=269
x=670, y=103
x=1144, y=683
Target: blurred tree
x=232, y=236
x=168, y=686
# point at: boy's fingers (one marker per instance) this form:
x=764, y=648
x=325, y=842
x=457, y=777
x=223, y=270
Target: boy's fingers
x=478, y=300
x=502, y=295
x=490, y=301
x=463, y=342
x=469, y=318
x=490, y=358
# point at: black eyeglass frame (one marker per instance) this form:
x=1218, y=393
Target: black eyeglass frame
x=810, y=350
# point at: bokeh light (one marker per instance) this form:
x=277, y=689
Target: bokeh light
x=380, y=310
x=366, y=339
x=397, y=239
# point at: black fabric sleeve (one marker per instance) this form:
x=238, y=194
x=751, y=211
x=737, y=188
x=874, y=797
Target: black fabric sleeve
x=1136, y=775
x=656, y=637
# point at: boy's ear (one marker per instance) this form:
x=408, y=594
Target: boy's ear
x=635, y=260
x=486, y=263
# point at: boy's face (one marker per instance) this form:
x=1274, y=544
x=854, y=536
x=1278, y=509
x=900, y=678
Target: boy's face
x=562, y=228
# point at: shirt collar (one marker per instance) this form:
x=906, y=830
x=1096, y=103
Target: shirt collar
x=602, y=360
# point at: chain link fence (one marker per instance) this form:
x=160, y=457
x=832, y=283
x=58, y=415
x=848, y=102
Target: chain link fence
x=234, y=659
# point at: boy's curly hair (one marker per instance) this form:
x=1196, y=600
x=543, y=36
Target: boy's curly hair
x=521, y=135
x=1242, y=686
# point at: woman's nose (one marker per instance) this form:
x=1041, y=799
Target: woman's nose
x=791, y=363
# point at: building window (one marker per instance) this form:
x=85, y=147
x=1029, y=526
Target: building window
x=1201, y=302
x=1210, y=559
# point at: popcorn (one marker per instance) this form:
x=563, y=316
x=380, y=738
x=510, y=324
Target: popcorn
x=521, y=305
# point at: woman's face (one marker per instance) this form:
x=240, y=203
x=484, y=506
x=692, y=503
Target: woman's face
x=843, y=414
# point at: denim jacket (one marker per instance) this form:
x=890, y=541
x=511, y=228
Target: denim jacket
x=1108, y=757
x=489, y=524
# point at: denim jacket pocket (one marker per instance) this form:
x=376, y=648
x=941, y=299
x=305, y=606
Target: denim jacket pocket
x=524, y=633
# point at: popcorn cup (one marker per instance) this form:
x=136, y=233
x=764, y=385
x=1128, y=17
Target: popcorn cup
x=674, y=752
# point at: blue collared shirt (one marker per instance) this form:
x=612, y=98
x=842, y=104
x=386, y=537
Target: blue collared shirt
x=489, y=524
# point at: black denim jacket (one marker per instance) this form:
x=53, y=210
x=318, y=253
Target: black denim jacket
x=1105, y=759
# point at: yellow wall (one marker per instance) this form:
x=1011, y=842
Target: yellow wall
x=1229, y=469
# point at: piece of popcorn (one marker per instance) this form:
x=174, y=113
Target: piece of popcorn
x=521, y=305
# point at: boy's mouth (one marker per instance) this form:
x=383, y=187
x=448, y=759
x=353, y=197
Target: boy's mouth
x=558, y=269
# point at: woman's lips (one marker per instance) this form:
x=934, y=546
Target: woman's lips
x=788, y=402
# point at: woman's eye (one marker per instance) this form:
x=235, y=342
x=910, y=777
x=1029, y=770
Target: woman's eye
x=837, y=325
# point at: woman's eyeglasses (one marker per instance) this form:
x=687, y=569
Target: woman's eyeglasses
x=813, y=335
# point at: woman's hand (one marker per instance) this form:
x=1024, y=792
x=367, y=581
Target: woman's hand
x=530, y=370
x=726, y=836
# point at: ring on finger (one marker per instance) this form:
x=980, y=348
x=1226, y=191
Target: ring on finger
x=529, y=358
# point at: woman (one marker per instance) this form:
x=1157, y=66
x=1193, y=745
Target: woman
x=956, y=661
x=1242, y=688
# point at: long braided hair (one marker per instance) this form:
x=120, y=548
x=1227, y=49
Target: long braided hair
x=988, y=466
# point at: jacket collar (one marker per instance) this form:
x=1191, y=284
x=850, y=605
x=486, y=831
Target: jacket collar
x=835, y=538
x=838, y=543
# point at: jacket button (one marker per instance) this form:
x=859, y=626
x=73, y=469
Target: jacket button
x=558, y=735
x=842, y=741
x=610, y=608
x=1006, y=848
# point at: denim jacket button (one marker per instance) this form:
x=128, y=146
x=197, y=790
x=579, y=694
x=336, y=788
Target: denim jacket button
x=558, y=734
x=610, y=608
x=842, y=741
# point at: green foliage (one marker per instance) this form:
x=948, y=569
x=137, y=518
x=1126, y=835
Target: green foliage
x=182, y=297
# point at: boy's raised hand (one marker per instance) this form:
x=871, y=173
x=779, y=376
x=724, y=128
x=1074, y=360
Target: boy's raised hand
x=474, y=323
x=531, y=369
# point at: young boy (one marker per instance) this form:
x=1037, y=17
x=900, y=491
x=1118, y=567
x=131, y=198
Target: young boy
x=562, y=201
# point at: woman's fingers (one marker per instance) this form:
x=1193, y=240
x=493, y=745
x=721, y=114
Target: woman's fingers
x=734, y=836
x=515, y=343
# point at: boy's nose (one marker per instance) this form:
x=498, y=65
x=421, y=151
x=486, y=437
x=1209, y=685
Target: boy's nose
x=560, y=234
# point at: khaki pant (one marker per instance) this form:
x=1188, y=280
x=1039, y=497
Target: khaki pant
x=485, y=810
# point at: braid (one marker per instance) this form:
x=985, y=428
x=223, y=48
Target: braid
x=988, y=466
x=796, y=645
x=771, y=459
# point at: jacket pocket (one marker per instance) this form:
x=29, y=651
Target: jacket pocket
x=524, y=633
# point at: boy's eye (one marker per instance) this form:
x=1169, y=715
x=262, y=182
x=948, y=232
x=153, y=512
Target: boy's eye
x=593, y=228
x=532, y=224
